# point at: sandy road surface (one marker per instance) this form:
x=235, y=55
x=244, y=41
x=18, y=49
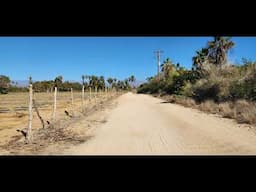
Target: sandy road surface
x=144, y=125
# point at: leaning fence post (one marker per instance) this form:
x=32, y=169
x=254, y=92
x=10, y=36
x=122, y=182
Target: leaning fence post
x=54, y=104
x=38, y=114
x=30, y=110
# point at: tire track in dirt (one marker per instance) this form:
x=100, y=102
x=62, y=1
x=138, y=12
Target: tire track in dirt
x=144, y=125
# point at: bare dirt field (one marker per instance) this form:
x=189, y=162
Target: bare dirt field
x=14, y=111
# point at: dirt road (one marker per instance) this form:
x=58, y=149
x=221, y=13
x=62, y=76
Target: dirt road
x=144, y=125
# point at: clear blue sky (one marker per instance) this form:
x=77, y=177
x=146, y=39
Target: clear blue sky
x=47, y=57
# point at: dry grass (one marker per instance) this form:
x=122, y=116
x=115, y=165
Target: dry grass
x=226, y=110
x=209, y=106
x=61, y=134
x=242, y=111
x=188, y=102
x=245, y=112
x=13, y=119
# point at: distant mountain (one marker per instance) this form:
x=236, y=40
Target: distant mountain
x=20, y=83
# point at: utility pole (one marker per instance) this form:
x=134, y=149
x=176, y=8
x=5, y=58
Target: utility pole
x=158, y=54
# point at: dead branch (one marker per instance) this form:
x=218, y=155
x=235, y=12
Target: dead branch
x=24, y=133
x=67, y=113
x=37, y=112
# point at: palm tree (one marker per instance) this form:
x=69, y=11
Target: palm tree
x=132, y=78
x=110, y=81
x=126, y=82
x=200, y=58
x=114, y=84
x=167, y=67
x=177, y=66
x=58, y=81
x=149, y=78
x=218, y=49
x=102, y=82
x=83, y=77
x=30, y=80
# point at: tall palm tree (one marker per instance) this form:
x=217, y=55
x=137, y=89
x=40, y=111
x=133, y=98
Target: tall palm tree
x=58, y=81
x=83, y=77
x=200, y=58
x=30, y=80
x=110, y=81
x=167, y=67
x=102, y=82
x=132, y=78
x=218, y=49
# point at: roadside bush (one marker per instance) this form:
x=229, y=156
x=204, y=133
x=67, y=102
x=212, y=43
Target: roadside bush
x=204, y=90
x=151, y=87
x=219, y=83
x=186, y=90
x=245, y=112
x=226, y=109
x=3, y=90
x=245, y=89
x=209, y=106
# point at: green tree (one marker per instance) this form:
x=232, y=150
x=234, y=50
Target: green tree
x=200, y=57
x=168, y=68
x=30, y=80
x=114, y=84
x=83, y=77
x=58, y=81
x=4, y=84
x=101, y=82
x=110, y=81
x=218, y=49
x=149, y=78
x=132, y=78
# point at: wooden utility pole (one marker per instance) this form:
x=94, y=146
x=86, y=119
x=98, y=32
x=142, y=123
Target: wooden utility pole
x=158, y=54
x=30, y=110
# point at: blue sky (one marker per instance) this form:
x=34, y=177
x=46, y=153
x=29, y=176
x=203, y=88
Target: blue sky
x=47, y=57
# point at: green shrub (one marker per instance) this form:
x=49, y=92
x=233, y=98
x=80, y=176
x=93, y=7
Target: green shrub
x=3, y=90
x=186, y=90
x=151, y=87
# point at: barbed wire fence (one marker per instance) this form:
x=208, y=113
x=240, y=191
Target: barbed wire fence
x=50, y=110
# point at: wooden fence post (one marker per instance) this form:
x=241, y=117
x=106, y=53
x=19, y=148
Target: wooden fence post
x=83, y=99
x=90, y=94
x=95, y=94
x=54, y=104
x=72, y=101
x=30, y=110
